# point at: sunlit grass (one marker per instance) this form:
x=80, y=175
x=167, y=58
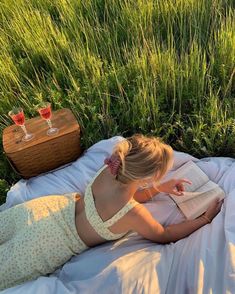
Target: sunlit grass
x=124, y=66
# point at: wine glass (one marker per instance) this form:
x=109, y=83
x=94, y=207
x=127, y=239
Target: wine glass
x=44, y=108
x=17, y=115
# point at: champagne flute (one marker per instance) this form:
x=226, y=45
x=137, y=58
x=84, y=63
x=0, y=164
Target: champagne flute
x=44, y=108
x=17, y=115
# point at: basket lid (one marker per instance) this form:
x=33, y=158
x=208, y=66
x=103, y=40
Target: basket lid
x=62, y=119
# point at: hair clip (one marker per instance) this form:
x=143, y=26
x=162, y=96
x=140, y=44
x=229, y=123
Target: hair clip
x=113, y=163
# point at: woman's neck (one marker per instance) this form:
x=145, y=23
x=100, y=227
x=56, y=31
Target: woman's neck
x=127, y=189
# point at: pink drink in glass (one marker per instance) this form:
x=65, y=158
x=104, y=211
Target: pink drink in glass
x=44, y=108
x=17, y=115
x=18, y=119
x=45, y=112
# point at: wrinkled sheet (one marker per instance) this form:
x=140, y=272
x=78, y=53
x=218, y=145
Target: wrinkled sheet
x=204, y=262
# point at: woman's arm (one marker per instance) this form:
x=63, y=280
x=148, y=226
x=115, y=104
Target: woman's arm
x=173, y=186
x=143, y=223
x=146, y=194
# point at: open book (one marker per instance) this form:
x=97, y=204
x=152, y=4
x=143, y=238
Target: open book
x=198, y=196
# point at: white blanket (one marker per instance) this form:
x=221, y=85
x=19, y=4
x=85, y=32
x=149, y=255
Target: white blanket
x=204, y=262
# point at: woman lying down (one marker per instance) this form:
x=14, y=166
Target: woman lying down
x=38, y=236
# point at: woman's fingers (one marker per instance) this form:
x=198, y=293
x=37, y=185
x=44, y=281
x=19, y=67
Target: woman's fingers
x=180, y=188
x=180, y=184
x=185, y=181
x=178, y=191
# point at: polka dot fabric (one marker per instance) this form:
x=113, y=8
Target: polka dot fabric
x=37, y=237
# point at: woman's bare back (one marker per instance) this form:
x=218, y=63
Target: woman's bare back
x=109, y=199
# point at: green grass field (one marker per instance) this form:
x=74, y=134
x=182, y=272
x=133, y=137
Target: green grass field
x=164, y=68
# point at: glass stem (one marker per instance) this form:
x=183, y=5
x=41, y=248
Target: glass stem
x=24, y=129
x=49, y=123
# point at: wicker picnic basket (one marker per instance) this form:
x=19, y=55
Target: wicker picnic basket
x=43, y=153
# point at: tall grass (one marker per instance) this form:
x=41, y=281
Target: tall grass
x=123, y=66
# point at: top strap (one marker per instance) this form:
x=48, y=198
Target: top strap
x=128, y=206
x=100, y=226
x=96, y=175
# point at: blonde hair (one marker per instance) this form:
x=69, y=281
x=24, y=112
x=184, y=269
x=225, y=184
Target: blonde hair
x=142, y=157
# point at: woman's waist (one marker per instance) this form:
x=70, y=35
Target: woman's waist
x=86, y=232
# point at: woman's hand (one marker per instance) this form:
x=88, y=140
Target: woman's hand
x=174, y=186
x=213, y=209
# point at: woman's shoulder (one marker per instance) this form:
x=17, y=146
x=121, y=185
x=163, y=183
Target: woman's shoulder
x=140, y=215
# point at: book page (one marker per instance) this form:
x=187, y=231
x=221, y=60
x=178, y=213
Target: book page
x=185, y=197
x=205, y=189
x=194, y=207
x=193, y=173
